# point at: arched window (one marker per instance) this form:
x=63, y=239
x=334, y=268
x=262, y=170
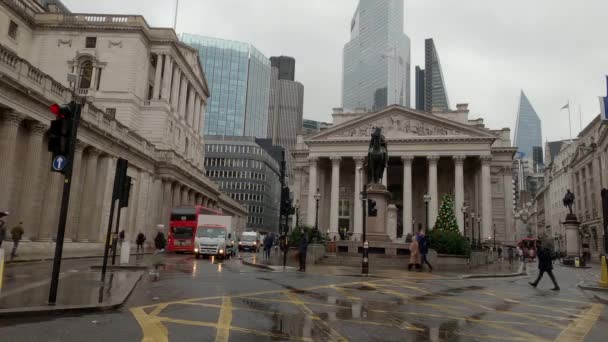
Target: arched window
x=86, y=75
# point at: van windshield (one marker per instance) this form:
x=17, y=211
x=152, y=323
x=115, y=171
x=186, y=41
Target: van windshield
x=248, y=237
x=210, y=232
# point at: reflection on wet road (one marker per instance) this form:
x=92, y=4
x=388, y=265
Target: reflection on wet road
x=423, y=308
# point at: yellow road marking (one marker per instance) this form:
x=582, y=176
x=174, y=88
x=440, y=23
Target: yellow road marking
x=157, y=310
x=333, y=335
x=224, y=321
x=237, y=329
x=152, y=329
x=344, y=292
x=579, y=328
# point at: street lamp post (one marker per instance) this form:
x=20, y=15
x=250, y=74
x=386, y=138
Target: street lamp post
x=317, y=198
x=473, y=245
x=464, y=218
x=479, y=231
x=363, y=196
x=297, y=209
x=494, y=231
x=427, y=199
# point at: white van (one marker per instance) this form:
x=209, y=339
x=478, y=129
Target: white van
x=249, y=241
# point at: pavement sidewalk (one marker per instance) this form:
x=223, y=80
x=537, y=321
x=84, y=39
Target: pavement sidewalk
x=498, y=269
x=26, y=253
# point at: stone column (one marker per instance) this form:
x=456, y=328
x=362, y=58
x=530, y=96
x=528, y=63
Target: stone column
x=157, y=85
x=190, y=108
x=358, y=212
x=31, y=197
x=385, y=177
x=183, y=92
x=88, y=231
x=9, y=126
x=201, y=123
x=50, y=211
x=312, y=190
x=407, y=195
x=197, y=115
x=71, y=230
x=166, y=92
x=433, y=190
x=184, y=199
x=167, y=201
x=335, y=196
x=459, y=191
x=486, y=197
x=175, y=88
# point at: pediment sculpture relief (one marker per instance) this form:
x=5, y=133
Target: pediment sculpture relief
x=399, y=126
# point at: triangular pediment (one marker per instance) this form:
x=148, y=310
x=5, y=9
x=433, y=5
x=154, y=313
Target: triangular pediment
x=401, y=123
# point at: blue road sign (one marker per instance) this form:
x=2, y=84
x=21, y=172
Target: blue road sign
x=59, y=163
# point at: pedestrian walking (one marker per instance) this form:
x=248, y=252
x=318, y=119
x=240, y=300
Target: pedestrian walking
x=303, y=249
x=141, y=238
x=423, y=245
x=267, y=246
x=499, y=253
x=2, y=226
x=16, y=234
x=414, y=255
x=159, y=241
x=545, y=265
x=510, y=253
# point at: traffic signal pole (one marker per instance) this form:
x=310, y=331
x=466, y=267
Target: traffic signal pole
x=65, y=200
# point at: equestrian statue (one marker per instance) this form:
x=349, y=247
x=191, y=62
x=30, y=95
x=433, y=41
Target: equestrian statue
x=377, y=157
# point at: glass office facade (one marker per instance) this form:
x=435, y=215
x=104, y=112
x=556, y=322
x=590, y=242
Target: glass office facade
x=239, y=80
x=435, y=93
x=376, y=68
x=528, y=133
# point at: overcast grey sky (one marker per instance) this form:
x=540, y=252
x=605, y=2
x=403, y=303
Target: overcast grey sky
x=489, y=50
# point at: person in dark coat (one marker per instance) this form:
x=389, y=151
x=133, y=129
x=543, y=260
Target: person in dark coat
x=159, y=241
x=267, y=246
x=303, y=249
x=423, y=245
x=141, y=238
x=545, y=264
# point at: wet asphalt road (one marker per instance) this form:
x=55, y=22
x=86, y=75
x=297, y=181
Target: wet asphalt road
x=201, y=300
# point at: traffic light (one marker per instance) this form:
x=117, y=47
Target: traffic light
x=285, y=201
x=125, y=192
x=60, y=134
x=372, y=211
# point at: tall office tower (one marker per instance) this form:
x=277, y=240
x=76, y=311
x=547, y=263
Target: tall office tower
x=419, y=88
x=528, y=132
x=286, y=66
x=239, y=78
x=285, y=110
x=431, y=92
x=376, y=68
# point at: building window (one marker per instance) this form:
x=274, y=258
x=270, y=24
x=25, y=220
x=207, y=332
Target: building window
x=86, y=74
x=90, y=43
x=13, y=29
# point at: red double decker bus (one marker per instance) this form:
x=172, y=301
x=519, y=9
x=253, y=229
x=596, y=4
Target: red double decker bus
x=182, y=227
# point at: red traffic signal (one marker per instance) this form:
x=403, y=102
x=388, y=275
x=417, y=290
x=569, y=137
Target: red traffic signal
x=61, y=111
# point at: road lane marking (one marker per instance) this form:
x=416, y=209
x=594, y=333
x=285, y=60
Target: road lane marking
x=152, y=328
x=344, y=293
x=580, y=327
x=332, y=334
x=224, y=321
x=158, y=309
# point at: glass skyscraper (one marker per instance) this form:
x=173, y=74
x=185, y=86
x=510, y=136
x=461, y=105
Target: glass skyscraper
x=528, y=133
x=376, y=69
x=239, y=78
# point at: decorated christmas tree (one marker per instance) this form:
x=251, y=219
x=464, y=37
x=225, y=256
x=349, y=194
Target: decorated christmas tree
x=446, y=220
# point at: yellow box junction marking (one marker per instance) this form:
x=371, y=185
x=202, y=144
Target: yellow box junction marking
x=225, y=320
x=579, y=328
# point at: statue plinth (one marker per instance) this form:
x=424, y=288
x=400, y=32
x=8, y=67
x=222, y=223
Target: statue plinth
x=376, y=225
x=571, y=226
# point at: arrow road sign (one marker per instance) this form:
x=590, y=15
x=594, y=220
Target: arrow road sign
x=59, y=163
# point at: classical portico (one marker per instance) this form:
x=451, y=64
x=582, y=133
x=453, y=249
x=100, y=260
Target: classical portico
x=429, y=153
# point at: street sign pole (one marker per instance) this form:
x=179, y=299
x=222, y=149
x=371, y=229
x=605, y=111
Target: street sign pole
x=63, y=213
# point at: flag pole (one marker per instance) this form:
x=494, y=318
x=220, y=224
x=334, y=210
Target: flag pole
x=570, y=120
x=175, y=18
